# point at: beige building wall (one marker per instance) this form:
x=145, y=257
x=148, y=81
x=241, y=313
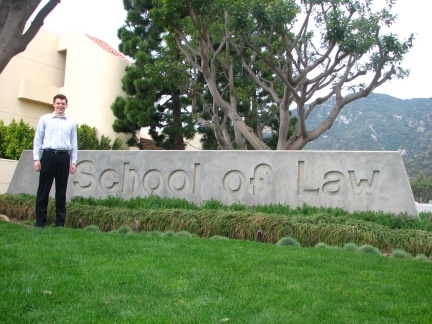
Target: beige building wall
x=70, y=63
x=83, y=68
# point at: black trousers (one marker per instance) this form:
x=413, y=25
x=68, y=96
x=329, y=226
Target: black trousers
x=54, y=166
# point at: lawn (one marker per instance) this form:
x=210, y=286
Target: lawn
x=77, y=276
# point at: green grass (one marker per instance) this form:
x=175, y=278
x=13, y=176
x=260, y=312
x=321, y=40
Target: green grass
x=78, y=276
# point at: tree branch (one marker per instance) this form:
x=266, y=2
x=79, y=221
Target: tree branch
x=36, y=25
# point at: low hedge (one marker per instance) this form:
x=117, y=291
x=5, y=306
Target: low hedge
x=307, y=230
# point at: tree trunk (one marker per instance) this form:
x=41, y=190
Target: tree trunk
x=241, y=126
x=178, y=135
x=284, y=122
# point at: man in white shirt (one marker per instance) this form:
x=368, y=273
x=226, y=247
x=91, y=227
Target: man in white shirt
x=55, y=150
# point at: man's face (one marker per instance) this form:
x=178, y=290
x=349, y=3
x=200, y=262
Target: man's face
x=60, y=106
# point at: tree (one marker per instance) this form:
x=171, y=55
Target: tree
x=156, y=84
x=422, y=188
x=304, y=52
x=14, y=15
x=161, y=83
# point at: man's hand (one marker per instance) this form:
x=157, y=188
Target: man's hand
x=37, y=165
x=72, y=168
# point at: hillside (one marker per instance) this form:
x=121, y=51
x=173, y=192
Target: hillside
x=380, y=123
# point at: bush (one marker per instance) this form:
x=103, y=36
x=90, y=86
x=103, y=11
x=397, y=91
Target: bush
x=212, y=204
x=88, y=140
x=15, y=138
x=422, y=257
x=117, y=144
x=124, y=229
x=401, y=254
x=184, y=234
x=288, y=241
x=351, y=247
x=369, y=249
x=92, y=228
x=153, y=234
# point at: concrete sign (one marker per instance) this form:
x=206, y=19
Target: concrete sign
x=354, y=181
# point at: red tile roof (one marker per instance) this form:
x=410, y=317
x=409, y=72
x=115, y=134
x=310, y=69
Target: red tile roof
x=107, y=47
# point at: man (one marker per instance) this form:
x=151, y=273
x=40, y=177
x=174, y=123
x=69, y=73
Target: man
x=55, y=150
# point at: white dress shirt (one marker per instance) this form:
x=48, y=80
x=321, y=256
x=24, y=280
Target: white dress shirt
x=57, y=133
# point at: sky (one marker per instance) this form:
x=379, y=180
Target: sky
x=102, y=18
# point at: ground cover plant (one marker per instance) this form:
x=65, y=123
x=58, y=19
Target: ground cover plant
x=80, y=276
x=270, y=223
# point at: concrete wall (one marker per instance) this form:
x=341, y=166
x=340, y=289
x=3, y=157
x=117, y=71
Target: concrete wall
x=354, y=181
x=7, y=169
x=424, y=208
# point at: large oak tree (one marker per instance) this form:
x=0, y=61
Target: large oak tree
x=14, y=14
x=163, y=89
x=297, y=52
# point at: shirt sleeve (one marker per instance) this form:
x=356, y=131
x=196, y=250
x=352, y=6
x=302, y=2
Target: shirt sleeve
x=74, y=143
x=38, y=140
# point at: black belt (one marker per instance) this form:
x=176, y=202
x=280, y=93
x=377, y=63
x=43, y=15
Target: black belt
x=56, y=151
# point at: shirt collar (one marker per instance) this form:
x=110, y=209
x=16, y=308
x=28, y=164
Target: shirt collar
x=53, y=115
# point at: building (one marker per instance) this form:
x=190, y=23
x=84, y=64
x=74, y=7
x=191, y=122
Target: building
x=87, y=70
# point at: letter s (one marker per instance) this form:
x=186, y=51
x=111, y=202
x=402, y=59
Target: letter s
x=84, y=178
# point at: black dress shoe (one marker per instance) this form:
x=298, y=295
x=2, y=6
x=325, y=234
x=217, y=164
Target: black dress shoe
x=39, y=227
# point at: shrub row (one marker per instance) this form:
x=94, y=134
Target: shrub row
x=307, y=230
x=154, y=202
x=241, y=225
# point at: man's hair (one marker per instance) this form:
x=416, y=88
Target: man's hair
x=60, y=96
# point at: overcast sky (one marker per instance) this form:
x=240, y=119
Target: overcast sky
x=102, y=18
